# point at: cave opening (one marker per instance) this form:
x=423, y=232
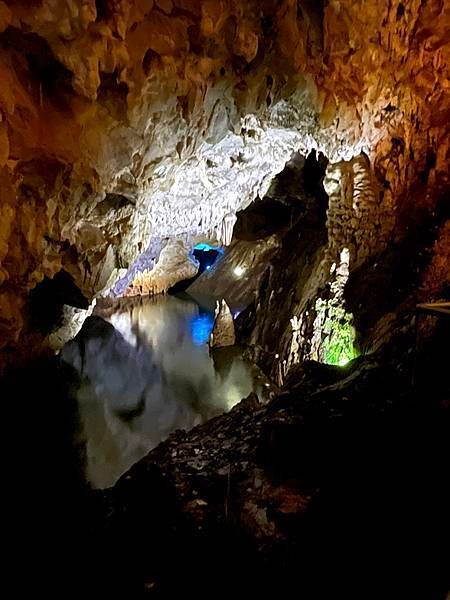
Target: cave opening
x=206, y=256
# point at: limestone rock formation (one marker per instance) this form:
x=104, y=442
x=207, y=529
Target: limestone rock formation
x=222, y=334
x=73, y=319
x=238, y=274
x=174, y=265
x=123, y=120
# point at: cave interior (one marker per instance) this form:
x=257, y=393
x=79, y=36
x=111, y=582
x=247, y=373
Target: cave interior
x=225, y=297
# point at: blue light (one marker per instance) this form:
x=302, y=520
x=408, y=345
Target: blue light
x=201, y=327
x=207, y=247
x=208, y=267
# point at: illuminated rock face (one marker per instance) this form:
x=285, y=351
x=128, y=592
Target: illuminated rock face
x=222, y=334
x=174, y=265
x=346, y=277
x=237, y=276
x=125, y=120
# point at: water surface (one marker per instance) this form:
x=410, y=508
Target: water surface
x=146, y=371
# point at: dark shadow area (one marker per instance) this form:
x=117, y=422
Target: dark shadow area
x=48, y=519
x=369, y=452
x=207, y=256
x=283, y=204
x=47, y=299
x=48, y=77
x=104, y=10
x=383, y=284
x=302, y=237
x=113, y=202
x=112, y=93
x=369, y=458
x=55, y=530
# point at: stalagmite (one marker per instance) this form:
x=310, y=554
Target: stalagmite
x=223, y=331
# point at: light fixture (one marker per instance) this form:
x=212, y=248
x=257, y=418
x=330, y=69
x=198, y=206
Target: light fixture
x=238, y=271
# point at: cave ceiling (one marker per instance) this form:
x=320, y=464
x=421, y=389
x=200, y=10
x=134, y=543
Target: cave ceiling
x=123, y=120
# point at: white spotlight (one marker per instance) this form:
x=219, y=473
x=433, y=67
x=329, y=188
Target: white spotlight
x=238, y=271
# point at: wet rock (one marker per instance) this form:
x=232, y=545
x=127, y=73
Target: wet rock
x=222, y=334
x=238, y=273
x=72, y=321
x=280, y=486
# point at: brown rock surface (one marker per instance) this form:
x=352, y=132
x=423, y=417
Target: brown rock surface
x=101, y=102
x=222, y=334
x=296, y=494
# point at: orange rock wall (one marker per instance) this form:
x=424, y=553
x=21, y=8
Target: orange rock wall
x=94, y=96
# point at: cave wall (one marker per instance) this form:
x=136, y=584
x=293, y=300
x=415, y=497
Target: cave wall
x=174, y=264
x=347, y=276
x=105, y=105
x=237, y=275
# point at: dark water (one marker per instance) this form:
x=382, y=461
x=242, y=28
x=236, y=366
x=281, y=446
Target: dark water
x=147, y=371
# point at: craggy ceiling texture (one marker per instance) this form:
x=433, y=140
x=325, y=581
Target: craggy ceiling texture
x=105, y=106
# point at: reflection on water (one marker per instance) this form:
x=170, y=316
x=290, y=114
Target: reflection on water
x=201, y=327
x=146, y=371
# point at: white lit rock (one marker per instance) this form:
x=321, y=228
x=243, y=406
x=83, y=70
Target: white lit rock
x=72, y=322
x=176, y=134
x=174, y=265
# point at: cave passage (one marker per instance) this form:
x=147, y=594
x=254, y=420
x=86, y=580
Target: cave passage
x=145, y=364
x=207, y=257
x=225, y=297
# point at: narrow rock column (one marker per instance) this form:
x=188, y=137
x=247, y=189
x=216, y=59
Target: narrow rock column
x=223, y=331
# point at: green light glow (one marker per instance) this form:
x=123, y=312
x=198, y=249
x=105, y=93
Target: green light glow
x=338, y=348
x=334, y=334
